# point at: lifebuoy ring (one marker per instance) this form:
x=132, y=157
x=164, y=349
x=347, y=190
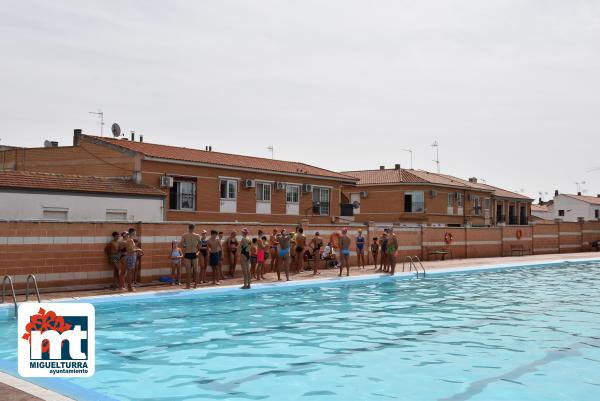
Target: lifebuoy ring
x=519, y=234
x=448, y=238
x=335, y=240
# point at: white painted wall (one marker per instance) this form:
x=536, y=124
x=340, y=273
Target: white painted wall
x=549, y=215
x=16, y=205
x=573, y=208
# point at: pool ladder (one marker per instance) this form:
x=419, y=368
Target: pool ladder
x=411, y=264
x=30, y=278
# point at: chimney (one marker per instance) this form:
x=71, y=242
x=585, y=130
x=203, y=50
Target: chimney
x=76, y=137
x=397, y=167
x=556, y=192
x=210, y=148
x=541, y=202
x=54, y=144
x=381, y=167
x=578, y=193
x=141, y=138
x=132, y=136
x=473, y=180
x=597, y=195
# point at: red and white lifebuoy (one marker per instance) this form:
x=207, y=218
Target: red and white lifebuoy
x=448, y=238
x=519, y=234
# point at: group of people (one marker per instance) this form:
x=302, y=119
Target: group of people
x=125, y=255
x=283, y=252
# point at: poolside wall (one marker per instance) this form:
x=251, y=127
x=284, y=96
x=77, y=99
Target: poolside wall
x=71, y=254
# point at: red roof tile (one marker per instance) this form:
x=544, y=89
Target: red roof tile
x=393, y=176
x=224, y=159
x=594, y=200
x=387, y=176
x=74, y=183
x=539, y=208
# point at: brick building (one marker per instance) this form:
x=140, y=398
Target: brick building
x=416, y=197
x=203, y=185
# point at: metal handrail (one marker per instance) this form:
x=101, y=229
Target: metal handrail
x=37, y=291
x=411, y=264
x=12, y=289
x=421, y=264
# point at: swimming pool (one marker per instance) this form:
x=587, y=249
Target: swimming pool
x=512, y=334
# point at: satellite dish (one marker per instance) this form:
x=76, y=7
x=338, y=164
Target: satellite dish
x=47, y=144
x=116, y=130
x=356, y=204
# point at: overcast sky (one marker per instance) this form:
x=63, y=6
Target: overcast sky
x=509, y=89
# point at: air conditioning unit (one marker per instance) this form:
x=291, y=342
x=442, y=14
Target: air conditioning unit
x=433, y=193
x=307, y=188
x=249, y=183
x=364, y=194
x=280, y=186
x=166, y=181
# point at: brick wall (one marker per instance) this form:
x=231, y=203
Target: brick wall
x=71, y=254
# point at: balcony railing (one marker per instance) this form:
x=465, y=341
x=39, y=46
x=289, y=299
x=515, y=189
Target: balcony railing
x=346, y=209
x=414, y=207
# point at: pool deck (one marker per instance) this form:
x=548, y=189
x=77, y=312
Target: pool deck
x=16, y=389
x=271, y=278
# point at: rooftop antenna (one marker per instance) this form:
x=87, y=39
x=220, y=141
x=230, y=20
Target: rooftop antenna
x=436, y=145
x=542, y=194
x=579, y=184
x=270, y=149
x=411, y=157
x=100, y=114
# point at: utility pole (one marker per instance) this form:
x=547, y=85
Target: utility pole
x=436, y=145
x=100, y=114
x=411, y=157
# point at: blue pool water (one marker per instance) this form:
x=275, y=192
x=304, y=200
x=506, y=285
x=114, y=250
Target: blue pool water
x=514, y=334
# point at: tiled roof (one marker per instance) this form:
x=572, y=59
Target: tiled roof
x=387, y=176
x=594, y=200
x=539, y=208
x=74, y=183
x=224, y=159
x=393, y=176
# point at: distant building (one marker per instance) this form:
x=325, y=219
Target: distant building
x=44, y=196
x=415, y=197
x=569, y=208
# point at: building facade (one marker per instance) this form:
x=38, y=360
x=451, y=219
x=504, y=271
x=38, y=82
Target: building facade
x=415, y=197
x=202, y=185
x=569, y=208
x=46, y=196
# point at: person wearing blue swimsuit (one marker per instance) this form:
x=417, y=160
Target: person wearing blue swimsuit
x=360, y=249
x=284, y=255
x=345, y=243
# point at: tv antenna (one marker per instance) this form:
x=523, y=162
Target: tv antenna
x=436, y=145
x=411, y=157
x=100, y=114
x=116, y=130
x=270, y=149
x=579, y=184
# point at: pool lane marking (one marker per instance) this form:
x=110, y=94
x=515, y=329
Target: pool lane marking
x=31, y=389
x=512, y=376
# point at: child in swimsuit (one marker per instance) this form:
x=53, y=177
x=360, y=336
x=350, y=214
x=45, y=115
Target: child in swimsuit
x=176, y=256
x=254, y=258
x=360, y=249
x=375, y=251
x=260, y=258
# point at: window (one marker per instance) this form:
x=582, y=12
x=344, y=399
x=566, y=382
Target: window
x=561, y=213
x=263, y=192
x=459, y=200
x=321, y=201
x=487, y=203
x=55, y=213
x=182, y=195
x=450, y=200
x=292, y=193
x=116, y=214
x=597, y=213
x=228, y=189
x=414, y=202
x=477, y=205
